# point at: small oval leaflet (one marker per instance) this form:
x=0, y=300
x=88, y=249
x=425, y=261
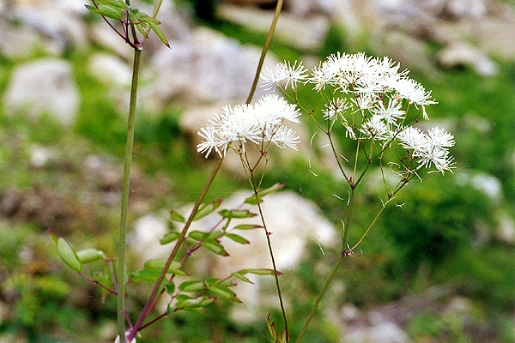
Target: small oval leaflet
x=68, y=255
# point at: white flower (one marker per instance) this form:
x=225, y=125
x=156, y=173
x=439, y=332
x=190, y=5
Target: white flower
x=430, y=149
x=391, y=113
x=364, y=101
x=283, y=137
x=286, y=72
x=238, y=123
x=375, y=128
x=211, y=141
x=335, y=107
x=258, y=123
x=441, y=138
x=321, y=77
x=439, y=157
x=414, y=93
x=349, y=131
x=412, y=138
x=274, y=110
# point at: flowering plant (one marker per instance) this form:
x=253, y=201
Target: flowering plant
x=378, y=108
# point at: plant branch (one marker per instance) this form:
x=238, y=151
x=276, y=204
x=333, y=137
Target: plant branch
x=370, y=226
x=148, y=305
x=319, y=298
x=265, y=49
x=121, y=272
x=271, y=253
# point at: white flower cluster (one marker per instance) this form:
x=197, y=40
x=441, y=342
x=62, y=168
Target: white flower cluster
x=430, y=148
x=371, y=98
x=260, y=123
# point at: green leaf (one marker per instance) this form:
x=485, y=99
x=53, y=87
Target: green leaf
x=53, y=237
x=159, y=33
x=224, y=282
x=101, y=277
x=159, y=264
x=207, y=209
x=142, y=27
x=169, y=237
x=68, y=255
x=241, y=277
x=237, y=238
x=215, y=234
x=236, y=213
x=223, y=292
x=264, y=271
x=275, y=336
x=259, y=271
x=90, y=255
x=198, y=235
x=207, y=301
x=192, y=286
x=148, y=275
x=177, y=217
x=108, y=11
x=248, y=227
x=175, y=268
x=170, y=287
x=115, y=3
x=215, y=247
x=134, y=16
x=252, y=199
x=185, y=302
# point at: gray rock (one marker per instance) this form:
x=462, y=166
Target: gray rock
x=303, y=33
x=110, y=69
x=506, y=230
x=207, y=68
x=463, y=54
x=25, y=40
x=57, y=24
x=385, y=332
x=466, y=8
x=307, y=8
x=43, y=86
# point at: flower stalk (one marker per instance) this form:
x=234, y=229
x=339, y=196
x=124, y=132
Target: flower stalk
x=122, y=240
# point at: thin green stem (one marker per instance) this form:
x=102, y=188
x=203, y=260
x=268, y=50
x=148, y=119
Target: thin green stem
x=278, y=8
x=370, y=226
x=335, y=268
x=271, y=253
x=148, y=305
x=346, y=224
x=121, y=272
x=340, y=166
x=251, y=177
x=319, y=298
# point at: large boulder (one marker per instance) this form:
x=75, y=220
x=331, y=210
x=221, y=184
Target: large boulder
x=205, y=68
x=45, y=86
x=58, y=25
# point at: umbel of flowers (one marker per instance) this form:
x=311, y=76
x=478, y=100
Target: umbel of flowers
x=259, y=124
x=369, y=96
